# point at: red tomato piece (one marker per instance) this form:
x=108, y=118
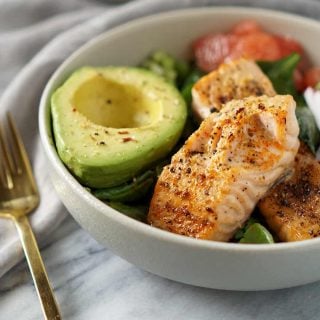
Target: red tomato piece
x=288, y=45
x=247, y=39
x=245, y=27
x=257, y=46
x=212, y=49
x=298, y=80
x=312, y=77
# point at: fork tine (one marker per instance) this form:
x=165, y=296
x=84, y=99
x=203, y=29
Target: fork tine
x=17, y=203
x=22, y=160
x=7, y=163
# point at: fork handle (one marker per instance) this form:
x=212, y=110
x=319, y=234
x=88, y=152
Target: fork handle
x=38, y=271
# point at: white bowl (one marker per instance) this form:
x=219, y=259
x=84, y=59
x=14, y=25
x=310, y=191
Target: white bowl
x=198, y=262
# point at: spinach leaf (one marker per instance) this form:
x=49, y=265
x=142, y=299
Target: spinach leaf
x=309, y=132
x=167, y=66
x=189, y=81
x=280, y=73
x=257, y=233
x=130, y=191
x=186, y=88
x=240, y=233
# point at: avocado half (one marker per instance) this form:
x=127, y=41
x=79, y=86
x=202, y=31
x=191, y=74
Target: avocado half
x=112, y=123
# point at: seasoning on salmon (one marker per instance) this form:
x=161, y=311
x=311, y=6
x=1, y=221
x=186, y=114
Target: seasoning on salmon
x=292, y=208
x=234, y=80
x=215, y=180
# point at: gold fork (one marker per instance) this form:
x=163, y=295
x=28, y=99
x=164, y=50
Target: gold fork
x=19, y=196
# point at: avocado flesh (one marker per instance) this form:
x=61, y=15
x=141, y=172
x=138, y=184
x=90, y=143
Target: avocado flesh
x=112, y=123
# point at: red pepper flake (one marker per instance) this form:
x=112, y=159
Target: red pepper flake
x=223, y=99
x=123, y=132
x=185, y=195
x=74, y=109
x=127, y=139
x=239, y=110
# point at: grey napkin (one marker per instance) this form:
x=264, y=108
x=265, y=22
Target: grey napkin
x=25, y=27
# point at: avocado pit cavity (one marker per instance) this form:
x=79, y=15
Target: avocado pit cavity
x=113, y=105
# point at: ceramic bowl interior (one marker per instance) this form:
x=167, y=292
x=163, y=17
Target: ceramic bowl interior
x=199, y=262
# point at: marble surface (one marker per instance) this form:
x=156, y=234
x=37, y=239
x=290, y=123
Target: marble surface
x=92, y=283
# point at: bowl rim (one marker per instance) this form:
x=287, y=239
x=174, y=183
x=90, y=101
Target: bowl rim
x=137, y=226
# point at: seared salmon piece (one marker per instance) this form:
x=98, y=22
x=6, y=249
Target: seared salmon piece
x=292, y=208
x=237, y=79
x=215, y=180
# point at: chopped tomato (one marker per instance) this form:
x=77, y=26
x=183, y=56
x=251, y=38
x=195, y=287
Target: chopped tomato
x=312, y=77
x=298, y=80
x=288, y=45
x=212, y=49
x=247, y=39
x=245, y=27
x=257, y=46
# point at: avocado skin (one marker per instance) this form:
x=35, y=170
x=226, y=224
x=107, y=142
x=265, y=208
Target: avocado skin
x=99, y=155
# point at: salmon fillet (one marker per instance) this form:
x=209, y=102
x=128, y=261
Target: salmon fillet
x=292, y=208
x=215, y=180
x=237, y=79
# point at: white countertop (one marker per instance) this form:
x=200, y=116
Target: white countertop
x=90, y=282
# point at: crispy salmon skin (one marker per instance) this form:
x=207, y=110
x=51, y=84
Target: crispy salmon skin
x=236, y=79
x=292, y=208
x=215, y=180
